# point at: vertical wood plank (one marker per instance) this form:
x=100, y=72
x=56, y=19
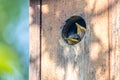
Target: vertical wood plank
x=87, y=60
x=97, y=42
x=98, y=63
x=34, y=68
x=114, y=23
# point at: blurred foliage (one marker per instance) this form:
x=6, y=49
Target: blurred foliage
x=11, y=63
x=8, y=11
x=8, y=58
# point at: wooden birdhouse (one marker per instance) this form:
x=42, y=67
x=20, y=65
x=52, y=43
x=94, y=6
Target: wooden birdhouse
x=95, y=57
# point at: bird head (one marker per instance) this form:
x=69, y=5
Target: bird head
x=73, y=39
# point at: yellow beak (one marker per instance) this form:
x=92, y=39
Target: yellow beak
x=71, y=40
x=80, y=28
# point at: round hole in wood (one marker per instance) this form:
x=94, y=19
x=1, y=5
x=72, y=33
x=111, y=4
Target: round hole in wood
x=74, y=30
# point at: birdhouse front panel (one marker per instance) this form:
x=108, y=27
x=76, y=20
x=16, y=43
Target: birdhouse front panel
x=88, y=57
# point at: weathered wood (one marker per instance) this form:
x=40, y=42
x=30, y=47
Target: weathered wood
x=87, y=60
x=114, y=23
x=34, y=68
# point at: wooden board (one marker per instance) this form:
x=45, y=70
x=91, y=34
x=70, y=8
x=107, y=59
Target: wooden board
x=34, y=69
x=114, y=23
x=87, y=60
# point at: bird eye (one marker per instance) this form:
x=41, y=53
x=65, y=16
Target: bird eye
x=74, y=30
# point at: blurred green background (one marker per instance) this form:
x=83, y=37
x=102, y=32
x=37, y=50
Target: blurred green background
x=14, y=39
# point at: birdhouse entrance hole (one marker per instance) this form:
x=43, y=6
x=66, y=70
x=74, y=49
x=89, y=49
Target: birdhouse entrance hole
x=74, y=30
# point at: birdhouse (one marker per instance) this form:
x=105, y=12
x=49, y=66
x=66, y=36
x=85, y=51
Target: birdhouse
x=74, y=40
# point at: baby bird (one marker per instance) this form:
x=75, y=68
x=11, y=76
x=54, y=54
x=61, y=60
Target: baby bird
x=76, y=37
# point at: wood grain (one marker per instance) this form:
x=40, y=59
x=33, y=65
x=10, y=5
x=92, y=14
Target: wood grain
x=114, y=23
x=87, y=60
x=34, y=68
